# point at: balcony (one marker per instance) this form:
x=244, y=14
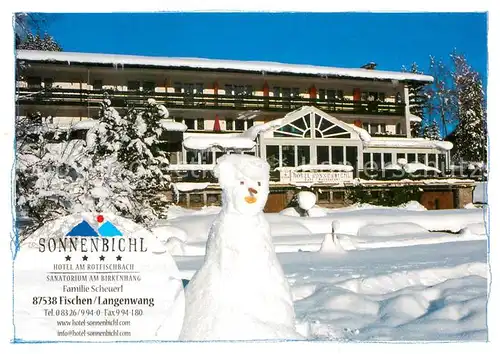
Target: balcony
x=76, y=97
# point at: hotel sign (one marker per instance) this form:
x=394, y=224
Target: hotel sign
x=315, y=177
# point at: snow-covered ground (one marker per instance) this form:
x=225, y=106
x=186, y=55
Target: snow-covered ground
x=407, y=273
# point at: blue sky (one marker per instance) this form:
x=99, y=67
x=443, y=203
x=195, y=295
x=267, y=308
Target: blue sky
x=334, y=39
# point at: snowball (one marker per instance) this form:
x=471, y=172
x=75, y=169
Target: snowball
x=306, y=200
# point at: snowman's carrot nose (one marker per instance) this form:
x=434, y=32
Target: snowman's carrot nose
x=252, y=191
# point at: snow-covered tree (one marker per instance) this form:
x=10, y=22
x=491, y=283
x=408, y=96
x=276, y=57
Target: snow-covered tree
x=416, y=92
x=441, y=101
x=471, y=133
x=37, y=42
x=431, y=131
x=118, y=169
x=142, y=156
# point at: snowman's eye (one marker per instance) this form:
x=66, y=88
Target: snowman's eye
x=242, y=182
x=258, y=183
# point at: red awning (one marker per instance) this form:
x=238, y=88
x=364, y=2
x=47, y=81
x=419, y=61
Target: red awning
x=217, y=124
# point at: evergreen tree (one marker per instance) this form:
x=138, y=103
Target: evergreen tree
x=36, y=42
x=416, y=92
x=143, y=158
x=471, y=133
x=431, y=131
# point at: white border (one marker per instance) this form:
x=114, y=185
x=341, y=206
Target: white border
x=6, y=129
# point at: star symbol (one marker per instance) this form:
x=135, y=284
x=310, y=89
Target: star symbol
x=68, y=258
x=118, y=258
x=101, y=258
x=85, y=257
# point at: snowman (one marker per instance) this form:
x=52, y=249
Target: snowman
x=240, y=292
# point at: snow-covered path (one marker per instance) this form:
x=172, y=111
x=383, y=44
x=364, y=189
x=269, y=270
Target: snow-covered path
x=422, y=292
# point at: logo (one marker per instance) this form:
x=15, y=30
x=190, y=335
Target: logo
x=84, y=229
x=84, y=237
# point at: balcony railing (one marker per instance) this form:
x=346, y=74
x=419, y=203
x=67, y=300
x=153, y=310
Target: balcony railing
x=78, y=97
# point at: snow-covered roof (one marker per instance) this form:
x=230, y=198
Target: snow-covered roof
x=190, y=167
x=206, y=141
x=190, y=186
x=84, y=124
x=417, y=166
x=414, y=118
x=173, y=126
x=257, y=129
x=216, y=64
x=408, y=143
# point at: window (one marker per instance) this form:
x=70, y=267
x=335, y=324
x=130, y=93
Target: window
x=199, y=88
x=295, y=92
x=248, y=90
x=97, y=85
x=192, y=157
x=432, y=160
x=276, y=91
x=48, y=82
x=383, y=128
x=288, y=156
x=337, y=155
x=182, y=199
x=321, y=94
x=400, y=156
x=239, y=124
x=249, y=123
x=412, y=158
x=148, y=86
x=200, y=124
x=179, y=119
x=34, y=82
x=322, y=156
x=218, y=154
x=367, y=162
x=177, y=87
x=421, y=158
x=196, y=200
x=387, y=158
x=366, y=127
x=189, y=123
x=377, y=160
x=442, y=162
x=324, y=197
x=133, y=86
x=398, y=129
x=323, y=128
x=272, y=156
x=286, y=92
x=303, y=155
x=351, y=157
x=207, y=157
x=229, y=90
x=229, y=124
x=213, y=199
x=338, y=196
